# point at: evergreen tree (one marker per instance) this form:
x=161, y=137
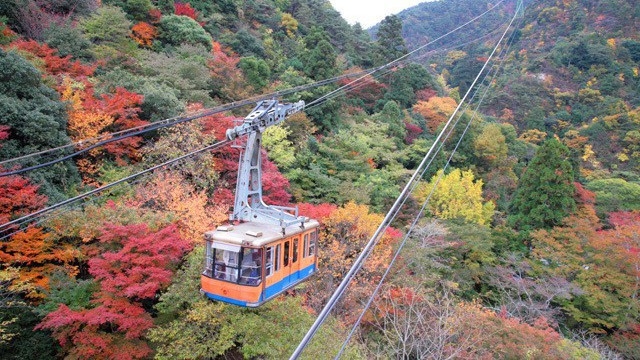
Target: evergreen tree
x=37, y=120
x=390, y=42
x=545, y=192
x=321, y=63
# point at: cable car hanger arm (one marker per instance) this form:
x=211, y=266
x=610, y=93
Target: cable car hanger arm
x=248, y=204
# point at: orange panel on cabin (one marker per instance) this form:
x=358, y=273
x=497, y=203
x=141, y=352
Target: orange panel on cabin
x=231, y=290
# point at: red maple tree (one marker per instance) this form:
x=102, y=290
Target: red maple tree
x=139, y=264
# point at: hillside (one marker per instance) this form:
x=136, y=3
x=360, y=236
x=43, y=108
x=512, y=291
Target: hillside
x=527, y=246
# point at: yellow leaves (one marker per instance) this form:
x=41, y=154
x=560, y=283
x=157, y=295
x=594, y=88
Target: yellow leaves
x=533, y=136
x=622, y=157
x=574, y=140
x=589, y=95
x=589, y=156
x=453, y=56
x=83, y=123
x=491, y=145
x=612, y=43
x=634, y=116
x=456, y=196
x=289, y=23
x=279, y=148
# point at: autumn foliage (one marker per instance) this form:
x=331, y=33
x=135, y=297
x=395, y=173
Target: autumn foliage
x=90, y=116
x=139, y=264
x=436, y=110
x=144, y=33
x=185, y=9
x=346, y=231
x=18, y=196
x=53, y=64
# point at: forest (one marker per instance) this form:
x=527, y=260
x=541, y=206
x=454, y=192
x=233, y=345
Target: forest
x=521, y=240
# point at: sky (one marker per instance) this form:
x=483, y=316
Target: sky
x=370, y=12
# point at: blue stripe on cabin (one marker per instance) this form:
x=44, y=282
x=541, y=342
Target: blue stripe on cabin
x=286, y=282
x=226, y=299
x=272, y=290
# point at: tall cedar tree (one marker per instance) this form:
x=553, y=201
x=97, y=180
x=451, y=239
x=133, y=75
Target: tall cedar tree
x=545, y=192
x=390, y=41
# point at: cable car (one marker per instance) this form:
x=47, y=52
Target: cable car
x=265, y=249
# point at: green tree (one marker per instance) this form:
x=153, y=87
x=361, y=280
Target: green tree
x=109, y=24
x=321, y=63
x=615, y=195
x=491, y=146
x=390, y=42
x=256, y=71
x=68, y=40
x=37, y=120
x=392, y=115
x=279, y=148
x=545, y=192
x=404, y=83
x=136, y=9
x=176, y=30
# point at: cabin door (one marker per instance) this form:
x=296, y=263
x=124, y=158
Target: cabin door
x=295, y=259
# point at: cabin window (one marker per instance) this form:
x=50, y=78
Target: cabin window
x=295, y=250
x=285, y=261
x=305, y=246
x=208, y=260
x=268, y=266
x=251, y=266
x=312, y=243
x=226, y=265
x=277, y=259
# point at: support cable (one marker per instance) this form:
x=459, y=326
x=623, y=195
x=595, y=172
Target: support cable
x=359, y=261
x=208, y=112
x=105, y=187
x=420, y=213
x=396, y=61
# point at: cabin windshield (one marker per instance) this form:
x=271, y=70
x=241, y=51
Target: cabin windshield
x=226, y=261
x=251, y=267
x=233, y=263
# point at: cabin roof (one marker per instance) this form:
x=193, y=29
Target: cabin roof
x=244, y=234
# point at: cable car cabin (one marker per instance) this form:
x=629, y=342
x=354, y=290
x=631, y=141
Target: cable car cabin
x=251, y=263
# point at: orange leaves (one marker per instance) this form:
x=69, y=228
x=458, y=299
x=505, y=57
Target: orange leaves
x=345, y=232
x=169, y=191
x=54, y=64
x=230, y=82
x=37, y=257
x=435, y=111
x=144, y=33
x=91, y=116
x=18, y=197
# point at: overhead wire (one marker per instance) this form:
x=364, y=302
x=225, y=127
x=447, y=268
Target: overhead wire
x=139, y=130
x=174, y=121
x=112, y=184
x=385, y=222
x=42, y=218
x=425, y=203
x=367, y=81
x=413, y=51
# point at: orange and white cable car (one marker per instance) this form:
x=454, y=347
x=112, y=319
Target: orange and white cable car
x=270, y=248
